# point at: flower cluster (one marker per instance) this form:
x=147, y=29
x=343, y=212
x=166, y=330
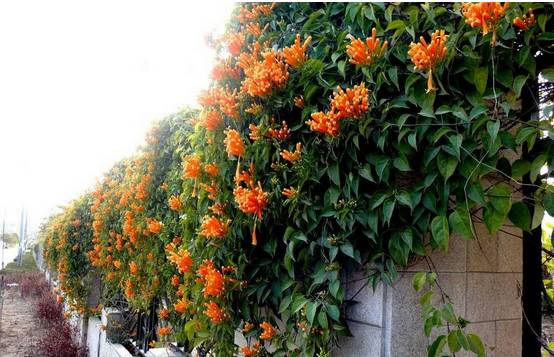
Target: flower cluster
x=366, y=53
x=425, y=56
x=350, y=104
x=295, y=55
x=526, y=21
x=484, y=15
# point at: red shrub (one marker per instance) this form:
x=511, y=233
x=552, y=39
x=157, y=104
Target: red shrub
x=60, y=341
x=32, y=284
x=48, y=310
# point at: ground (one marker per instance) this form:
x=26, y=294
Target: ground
x=20, y=330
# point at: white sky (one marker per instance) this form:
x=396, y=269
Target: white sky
x=80, y=83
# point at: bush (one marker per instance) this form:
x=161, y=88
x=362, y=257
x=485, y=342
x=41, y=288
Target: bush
x=59, y=341
x=32, y=284
x=48, y=310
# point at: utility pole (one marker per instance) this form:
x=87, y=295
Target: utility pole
x=3, y=239
x=22, y=232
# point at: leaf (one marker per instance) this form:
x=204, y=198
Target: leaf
x=548, y=74
x=548, y=202
x=404, y=198
x=334, y=312
x=418, y=280
x=341, y=67
x=311, y=309
x=347, y=249
x=520, y=216
x=453, y=342
x=500, y=198
x=398, y=250
x=480, y=79
x=493, y=219
x=446, y=165
x=440, y=231
x=436, y=347
x=475, y=344
x=408, y=237
x=365, y=172
x=536, y=167
x=519, y=168
x=461, y=223
x=401, y=163
x=333, y=173
x=388, y=208
x=298, y=303
x=334, y=288
x=322, y=319
x=519, y=81
x=492, y=129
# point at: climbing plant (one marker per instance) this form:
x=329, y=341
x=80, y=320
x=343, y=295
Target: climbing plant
x=334, y=137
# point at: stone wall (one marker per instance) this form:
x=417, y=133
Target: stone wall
x=482, y=277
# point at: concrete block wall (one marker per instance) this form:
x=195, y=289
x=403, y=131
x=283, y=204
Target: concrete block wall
x=483, y=278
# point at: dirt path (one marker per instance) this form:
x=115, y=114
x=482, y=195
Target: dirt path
x=19, y=329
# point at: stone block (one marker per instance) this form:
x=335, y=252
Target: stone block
x=367, y=306
x=482, y=252
x=508, y=296
x=366, y=342
x=454, y=260
x=481, y=297
x=510, y=250
x=508, y=338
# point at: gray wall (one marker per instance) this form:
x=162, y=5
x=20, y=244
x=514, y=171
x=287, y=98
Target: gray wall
x=483, y=279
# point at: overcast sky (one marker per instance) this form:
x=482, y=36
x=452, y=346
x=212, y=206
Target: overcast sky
x=80, y=84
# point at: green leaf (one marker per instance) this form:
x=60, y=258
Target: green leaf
x=440, y=232
x=388, y=209
x=401, y=163
x=461, y=223
x=347, y=249
x=536, y=166
x=322, y=319
x=418, y=280
x=492, y=129
x=480, y=79
x=365, y=172
x=548, y=202
x=341, y=67
x=333, y=173
x=519, y=168
x=493, y=219
x=548, y=74
x=475, y=344
x=446, y=164
x=453, y=342
x=334, y=312
x=519, y=81
x=298, y=303
x=520, y=216
x=500, y=196
x=311, y=309
x=334, y=288
x=436, y=347
x=404, y=198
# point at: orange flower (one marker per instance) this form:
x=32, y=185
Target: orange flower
x=295, y=55
x=181, y=305
x=191, y=166
x=526, y=22
x=253, y=132
x=133, y=268
x=290, y=192
x=484, y=15
x=210, y=189
x=234, y=40
x=251, y=200
x=213, y=283
x=174, y=203
x=254, y=109
x=292, y=156
x=352, y=103
x=211, y=120
x=248, y=326
x=117, y=264
x=261, y=77
x=212, y=227
x=326, y=123
x=154, y=226
x=175, y=280
x=361, y=53
x=182, y=260
x=249, y=352
x=233, y=143
x=269, y=331
x=228, y=103
x=224, y=70
x=216, y=208
x=299, y=102
x=280, y=134
x=254, y=29
x=426, y=57
x=163, y=331
x=214, y=312
x=164, y=313
x=211, y=169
